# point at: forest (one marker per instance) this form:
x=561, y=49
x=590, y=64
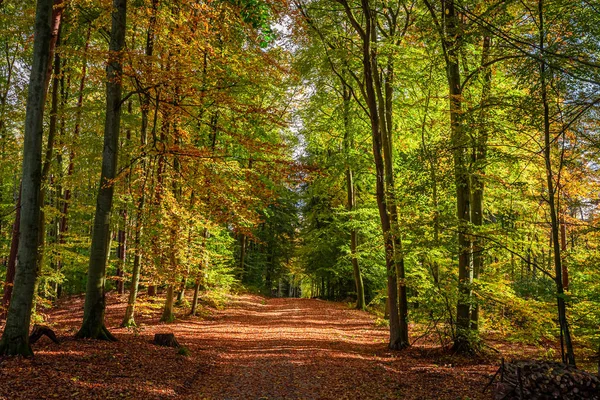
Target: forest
x=410, y=183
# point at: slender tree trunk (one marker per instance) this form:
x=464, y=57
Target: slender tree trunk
x=197, y=284
x=54, y=41
x=93, y=318
x=12, y=260
x=63, y=227
x=369, y=60
x=384, y=96
x=200, y=273
x=243, y=241
x=181, y=291
x=569, y=357
x=348, y=146
x=122, y=252
x=15, y=338
x=52, y=129
x=477, y=178
x=145, y=101
x=451, y=38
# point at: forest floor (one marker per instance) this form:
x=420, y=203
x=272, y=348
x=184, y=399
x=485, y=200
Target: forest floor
x=254, y=348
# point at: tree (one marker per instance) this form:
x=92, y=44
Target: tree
x=93, y=317
x=15, y=338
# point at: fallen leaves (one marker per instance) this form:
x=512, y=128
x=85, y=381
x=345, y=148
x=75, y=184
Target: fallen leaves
x=252, y=349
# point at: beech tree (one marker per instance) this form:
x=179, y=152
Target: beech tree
x=15, y=338
x=93, y=317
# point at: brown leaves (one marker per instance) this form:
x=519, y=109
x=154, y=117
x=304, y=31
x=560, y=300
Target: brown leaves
x=255, y=348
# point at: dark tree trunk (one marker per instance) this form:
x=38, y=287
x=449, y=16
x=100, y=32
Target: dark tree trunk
x=15, y=338
x=128, y=320
x=351, y=205
x=54, y=41
x=569, y=356
x=369, y=61
x=93, y=318
x=477, y=178
x=12, y=260
x=450, y=35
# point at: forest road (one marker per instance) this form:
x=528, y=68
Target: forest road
x=253, y=348
x=285, y=348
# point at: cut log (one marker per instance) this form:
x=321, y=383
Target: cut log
x=38, y=331
x=165, y=339
x=535, y=379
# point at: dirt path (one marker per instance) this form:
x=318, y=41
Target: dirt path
x=256, y=348
x=311, y=349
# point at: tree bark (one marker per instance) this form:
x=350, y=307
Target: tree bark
x=122, y=251
x=569, y=357
x=129, y=320
x=200, y=273
x=369, y=61
x=351, y=205
x=15, y=338
x=477, y=180
x=93, y=318
x=12, y=260
x=450, y=36
x=167, y=315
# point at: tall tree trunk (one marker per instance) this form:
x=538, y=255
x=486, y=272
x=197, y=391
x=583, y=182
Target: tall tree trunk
x=52, y=129
x=54, y=41
x=450, y=36
x=15, y=338
x=384, y=97
x=477, y=178
x=12, y=260
x=569, y=357
x=122, y=252
x=369, y=60
x=200, y=273
x=11, y=263
x=93, y=318
x=348, y=146
x=243, y=240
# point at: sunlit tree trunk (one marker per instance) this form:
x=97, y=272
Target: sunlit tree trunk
x=167, y=315
x=15, y=338
x=93, y=318
x=129, y=318
x=121, y=251
x=450, y=36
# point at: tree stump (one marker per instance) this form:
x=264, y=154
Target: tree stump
x=39, y=331
x=165, y=339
